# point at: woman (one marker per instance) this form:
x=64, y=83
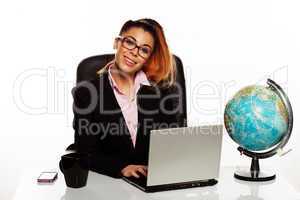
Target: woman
x=113, y=114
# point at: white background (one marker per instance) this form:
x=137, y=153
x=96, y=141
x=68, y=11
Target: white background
x=224, y=46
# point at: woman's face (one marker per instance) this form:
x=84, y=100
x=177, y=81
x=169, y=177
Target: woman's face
x=133, y=50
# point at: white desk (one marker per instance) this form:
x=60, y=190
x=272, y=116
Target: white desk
x=102, y=187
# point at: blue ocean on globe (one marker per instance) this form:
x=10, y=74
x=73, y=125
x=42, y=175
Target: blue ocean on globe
x=256, y=118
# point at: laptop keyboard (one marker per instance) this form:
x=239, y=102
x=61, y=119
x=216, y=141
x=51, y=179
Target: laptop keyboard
x=142, y=181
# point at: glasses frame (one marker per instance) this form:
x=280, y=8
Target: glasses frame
x=122, y=39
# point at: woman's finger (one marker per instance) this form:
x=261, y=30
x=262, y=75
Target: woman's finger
x=133, y=173
x=145, y=168
x=142, y=171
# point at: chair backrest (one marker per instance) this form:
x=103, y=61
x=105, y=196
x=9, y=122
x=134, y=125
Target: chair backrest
x=88, y=67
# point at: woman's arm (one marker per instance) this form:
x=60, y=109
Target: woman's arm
x=89, y=142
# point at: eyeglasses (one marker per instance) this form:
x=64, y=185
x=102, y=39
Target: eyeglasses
x=130, y=43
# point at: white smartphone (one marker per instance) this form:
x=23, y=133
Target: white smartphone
x=47, y=177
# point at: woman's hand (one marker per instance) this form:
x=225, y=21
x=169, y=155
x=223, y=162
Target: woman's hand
x=134, y=170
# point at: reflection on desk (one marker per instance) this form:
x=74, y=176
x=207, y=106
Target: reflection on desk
x=102, y=187
x=253, y=189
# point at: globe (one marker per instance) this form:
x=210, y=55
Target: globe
x=256, y=118
x=259, y=119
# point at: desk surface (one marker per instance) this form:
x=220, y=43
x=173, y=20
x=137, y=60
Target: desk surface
x=103, y=187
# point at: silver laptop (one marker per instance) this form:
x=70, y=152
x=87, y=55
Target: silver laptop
x=182, y=158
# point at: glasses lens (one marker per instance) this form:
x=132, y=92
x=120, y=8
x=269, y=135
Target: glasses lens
x=129, y=43
x=145, y=52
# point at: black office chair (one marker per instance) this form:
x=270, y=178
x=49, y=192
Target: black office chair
x=87, y=69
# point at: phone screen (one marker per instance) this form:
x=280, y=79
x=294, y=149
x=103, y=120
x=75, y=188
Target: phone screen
x=47, y=177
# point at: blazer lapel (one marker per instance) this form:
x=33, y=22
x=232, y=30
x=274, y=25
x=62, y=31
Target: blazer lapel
x=112, y=109
x=148, y=109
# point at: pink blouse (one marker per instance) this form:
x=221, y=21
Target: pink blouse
x=129, y=106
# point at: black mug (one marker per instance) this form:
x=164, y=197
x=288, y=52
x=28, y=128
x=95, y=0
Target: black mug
x=75, y=167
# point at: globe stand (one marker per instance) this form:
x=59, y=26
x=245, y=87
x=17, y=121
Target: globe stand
x=255, y=174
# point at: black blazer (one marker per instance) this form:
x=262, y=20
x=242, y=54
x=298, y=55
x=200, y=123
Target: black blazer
x=105, y=136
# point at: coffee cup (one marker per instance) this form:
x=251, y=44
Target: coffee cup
x=75, y=167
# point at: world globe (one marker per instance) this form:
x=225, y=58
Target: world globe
x=259, y=119
x=256, y=118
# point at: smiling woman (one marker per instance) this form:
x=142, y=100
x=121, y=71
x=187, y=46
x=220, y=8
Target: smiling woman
x=154, y=57
x=113, y=114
